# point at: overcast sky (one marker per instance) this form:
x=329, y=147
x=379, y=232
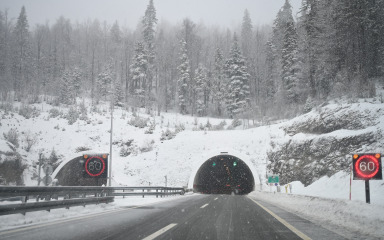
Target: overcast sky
x=226, y=13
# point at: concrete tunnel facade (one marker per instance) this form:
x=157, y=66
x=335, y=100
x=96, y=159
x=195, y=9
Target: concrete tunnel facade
x=224, y=173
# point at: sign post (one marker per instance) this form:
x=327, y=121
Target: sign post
x=367, y=167
x=273, y=180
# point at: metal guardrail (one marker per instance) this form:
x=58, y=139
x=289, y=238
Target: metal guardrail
x=72, y=196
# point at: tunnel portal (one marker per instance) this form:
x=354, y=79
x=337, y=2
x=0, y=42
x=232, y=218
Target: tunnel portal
x=224, y=174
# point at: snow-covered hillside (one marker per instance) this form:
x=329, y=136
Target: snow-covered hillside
x=175, y=145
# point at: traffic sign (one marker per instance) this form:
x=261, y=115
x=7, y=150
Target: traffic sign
x=95, y=166
x=273, y=179
x=367, y=166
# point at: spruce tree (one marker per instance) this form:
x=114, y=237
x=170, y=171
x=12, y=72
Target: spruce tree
x=104, y=81
x=219, y=82
x=200, y=80
x=184, y=78
x=139, y=70
x=246, y=34
x=238, y=86
x=290, y=68
x=22, y=61
x=149, y=23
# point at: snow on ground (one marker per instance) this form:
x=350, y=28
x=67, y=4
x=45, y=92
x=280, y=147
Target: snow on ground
x=349, y=217
x=337, y=187
x=179, y=157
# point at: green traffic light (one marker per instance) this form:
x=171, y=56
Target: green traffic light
x=234, y=164
x=213, y=164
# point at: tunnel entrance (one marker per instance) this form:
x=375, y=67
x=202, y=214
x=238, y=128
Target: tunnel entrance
x=224, y=174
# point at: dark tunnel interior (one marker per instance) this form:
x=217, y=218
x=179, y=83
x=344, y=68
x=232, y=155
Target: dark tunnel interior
x=224, y=174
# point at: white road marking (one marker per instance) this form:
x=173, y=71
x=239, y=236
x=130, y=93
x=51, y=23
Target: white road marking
x=204, y=205
x=285, y=223
x=215, y=199
x=161, y=231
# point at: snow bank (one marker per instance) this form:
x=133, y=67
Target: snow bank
x=346, y=216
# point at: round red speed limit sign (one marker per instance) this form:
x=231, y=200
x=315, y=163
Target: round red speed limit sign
x=95, y=166
x=367, y=166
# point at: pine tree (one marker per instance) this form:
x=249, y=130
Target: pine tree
x=22, y=61
x=104, y=81
x=118, y=95
x=65, y=90
x=200, y=90
x=184, y=78
x=139, y=70
x=149, y=23
x=246, y=34
x=238, y=87
x=219, y=82
x=290, y=68
x=76, y=82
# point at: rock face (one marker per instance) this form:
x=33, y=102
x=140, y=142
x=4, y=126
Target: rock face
x=322, y=143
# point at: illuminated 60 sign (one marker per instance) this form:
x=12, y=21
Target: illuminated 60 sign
x=96, y=166
x=367, y=166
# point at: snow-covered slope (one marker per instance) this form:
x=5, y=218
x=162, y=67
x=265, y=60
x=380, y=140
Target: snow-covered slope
x=142, y=158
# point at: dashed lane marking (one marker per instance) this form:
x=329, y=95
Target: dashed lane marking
x=161, y=231
x=204, y=205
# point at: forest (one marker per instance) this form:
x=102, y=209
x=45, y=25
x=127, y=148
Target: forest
x=331, y=49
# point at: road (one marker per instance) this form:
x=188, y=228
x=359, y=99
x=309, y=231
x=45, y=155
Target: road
x=189, y=217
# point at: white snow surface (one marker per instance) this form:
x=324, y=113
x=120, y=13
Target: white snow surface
x=180, y=158
x=343, y=216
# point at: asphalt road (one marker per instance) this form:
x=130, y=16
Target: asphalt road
x=189, y=217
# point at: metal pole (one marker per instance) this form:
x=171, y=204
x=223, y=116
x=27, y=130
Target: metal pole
x=350, y=185
x=38, y=180
x=367, y=196
x=110, y=145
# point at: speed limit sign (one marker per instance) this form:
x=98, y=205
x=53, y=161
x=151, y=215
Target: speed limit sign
x=95, y=166
x=367, y=166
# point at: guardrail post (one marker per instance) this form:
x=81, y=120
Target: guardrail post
x=143, y=192
x=123, y=192
x=157, y=196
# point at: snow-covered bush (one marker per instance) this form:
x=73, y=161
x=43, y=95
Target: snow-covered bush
x=54, y=113
x=147, y=146
x=151, y=128
x=208, y=125
x=179, y=128
x=138, y=122
x=82, y=149
x=219, y=126
x=28, y=111
x=167, y=135
x=72, y=115
x=236, y=122
x=30, y=140
x=12, y=136
x=6, y=106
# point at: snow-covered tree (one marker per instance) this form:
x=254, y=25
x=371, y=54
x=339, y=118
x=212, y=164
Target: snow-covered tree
x=200, y=88
x=246, y=34
x=238, y=86
x=219, y=82
x=289, y=59
x=138, y=70
x=104, y=81
x=22, y=57
x=149, y=24
x=184, y=78
x=65, y=90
